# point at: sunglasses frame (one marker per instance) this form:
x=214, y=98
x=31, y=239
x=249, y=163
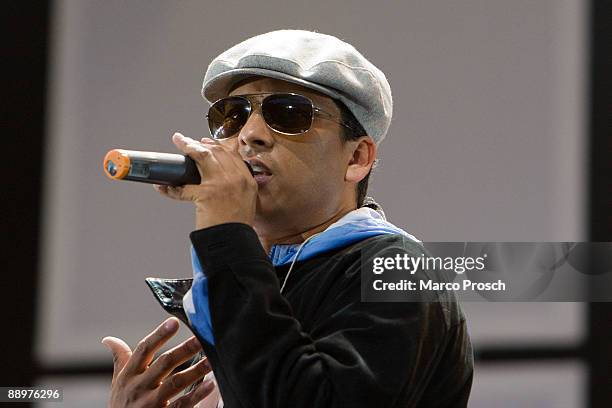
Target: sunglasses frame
x=256, y=99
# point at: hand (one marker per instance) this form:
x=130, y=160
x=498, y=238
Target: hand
x=139, y=383
x=227, y=193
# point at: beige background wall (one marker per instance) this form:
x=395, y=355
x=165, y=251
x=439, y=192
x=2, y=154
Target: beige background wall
x=487, y=143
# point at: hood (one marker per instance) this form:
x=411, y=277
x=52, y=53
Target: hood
x=355, y=226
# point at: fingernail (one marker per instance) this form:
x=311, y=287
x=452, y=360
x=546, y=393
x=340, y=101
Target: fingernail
x=103, y=341
x=171, y=325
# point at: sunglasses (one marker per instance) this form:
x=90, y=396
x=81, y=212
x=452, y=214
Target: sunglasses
x=285, y=113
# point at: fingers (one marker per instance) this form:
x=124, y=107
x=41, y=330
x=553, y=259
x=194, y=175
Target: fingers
x=237, y=165
x=146, y=348
x=188, y=145
x=189, y=400
x=208, y=150
x=121, y=353
x=204, y=153
x=162, y=189
x=168, y=361
x=174, y=192
x=222, y=171
x=179, y=381
x=209, y=141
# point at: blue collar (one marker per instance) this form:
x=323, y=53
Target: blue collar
x=355, y=226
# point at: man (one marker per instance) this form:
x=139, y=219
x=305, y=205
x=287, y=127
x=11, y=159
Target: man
x=276, y=297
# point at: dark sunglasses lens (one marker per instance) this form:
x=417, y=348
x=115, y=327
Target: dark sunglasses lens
x=290, y=114
x=227, y=116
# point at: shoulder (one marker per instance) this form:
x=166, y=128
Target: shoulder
x=384, y=243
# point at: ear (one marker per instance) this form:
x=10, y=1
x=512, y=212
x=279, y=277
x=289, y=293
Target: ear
x=363, y=153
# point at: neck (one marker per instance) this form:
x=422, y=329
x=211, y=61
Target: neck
x=268, y=240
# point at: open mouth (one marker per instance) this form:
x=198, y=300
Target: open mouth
x=261, y=173
x=260, y=170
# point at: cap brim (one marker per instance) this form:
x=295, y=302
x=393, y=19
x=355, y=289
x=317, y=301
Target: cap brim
x=220, y=86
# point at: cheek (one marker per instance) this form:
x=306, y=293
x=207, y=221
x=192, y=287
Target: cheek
x=297, y=171
x=315, y=169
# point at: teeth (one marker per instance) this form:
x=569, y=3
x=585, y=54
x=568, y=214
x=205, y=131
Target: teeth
x=258, y=169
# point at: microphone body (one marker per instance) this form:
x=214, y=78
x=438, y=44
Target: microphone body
x=152, y=167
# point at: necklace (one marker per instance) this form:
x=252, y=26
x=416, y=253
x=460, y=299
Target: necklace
x=297, y=254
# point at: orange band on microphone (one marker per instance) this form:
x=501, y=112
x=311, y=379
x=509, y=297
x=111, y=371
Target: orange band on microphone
x=117, y=164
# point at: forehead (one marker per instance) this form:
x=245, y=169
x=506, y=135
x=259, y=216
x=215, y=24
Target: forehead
x=262, y=84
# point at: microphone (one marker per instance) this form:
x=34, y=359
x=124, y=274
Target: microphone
x=153, y=167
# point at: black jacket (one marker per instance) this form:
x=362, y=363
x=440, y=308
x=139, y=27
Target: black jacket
x=317, y=344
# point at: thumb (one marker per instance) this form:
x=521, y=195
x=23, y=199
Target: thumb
x=121, y=353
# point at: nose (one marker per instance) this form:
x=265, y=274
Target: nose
x=255, y=134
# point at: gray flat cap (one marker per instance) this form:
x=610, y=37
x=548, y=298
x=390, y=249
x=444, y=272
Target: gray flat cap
x=317, y=61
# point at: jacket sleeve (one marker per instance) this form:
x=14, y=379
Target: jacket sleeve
x=358, y=355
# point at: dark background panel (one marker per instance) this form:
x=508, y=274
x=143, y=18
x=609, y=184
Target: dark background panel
x=600, y=214
x=25, y=27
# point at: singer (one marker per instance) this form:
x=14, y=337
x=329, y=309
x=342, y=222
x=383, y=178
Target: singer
x=275, y=300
